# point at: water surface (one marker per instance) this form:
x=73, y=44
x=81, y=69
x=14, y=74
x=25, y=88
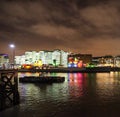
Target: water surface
x=80, y=95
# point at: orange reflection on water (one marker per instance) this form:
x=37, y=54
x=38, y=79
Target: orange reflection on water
x=28, y=74
x=105, y=85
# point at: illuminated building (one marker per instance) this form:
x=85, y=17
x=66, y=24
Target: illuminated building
x=117, y=61
x=31, y=57
x=4, y=60
x=79, y=60
x=47, y=57
x=104, y=60
x=63, y=57
x=107, y=61
x=55, y=58
x=20, y=60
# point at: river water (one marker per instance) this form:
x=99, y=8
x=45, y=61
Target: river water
x=80, y=95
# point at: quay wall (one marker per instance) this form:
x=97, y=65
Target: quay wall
x=67, y=70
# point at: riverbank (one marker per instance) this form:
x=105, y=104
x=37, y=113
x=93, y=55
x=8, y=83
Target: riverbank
x=69, y=70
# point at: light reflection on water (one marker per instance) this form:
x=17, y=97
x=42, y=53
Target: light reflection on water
x=76, y=85
x=108, y=86
x=86, y=94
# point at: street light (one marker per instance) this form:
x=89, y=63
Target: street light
x=13, y=53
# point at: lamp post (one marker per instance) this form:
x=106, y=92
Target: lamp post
x=12, y=46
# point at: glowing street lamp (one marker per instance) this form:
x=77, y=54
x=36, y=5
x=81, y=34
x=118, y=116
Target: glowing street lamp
x=12, y=46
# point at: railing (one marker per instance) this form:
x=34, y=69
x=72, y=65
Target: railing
x=9, y=94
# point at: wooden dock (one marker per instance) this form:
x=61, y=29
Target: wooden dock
x=9, y=94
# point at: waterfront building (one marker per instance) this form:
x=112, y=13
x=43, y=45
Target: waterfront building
x=79, y=60
x=19, y=60
x=95, y=60
x=42, y=56
x=30, y=57
x=47, y=57
x=4, y=61
x=117, y=61
x=108, y=60
x=63, y=58
x=55, y=58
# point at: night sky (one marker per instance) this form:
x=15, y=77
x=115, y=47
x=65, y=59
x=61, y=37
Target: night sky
x=79, y=26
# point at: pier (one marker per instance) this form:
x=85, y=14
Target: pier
x=9, y=95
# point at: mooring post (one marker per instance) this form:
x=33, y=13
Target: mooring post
x=9, y=94
x=16, y=97
x=2, y=96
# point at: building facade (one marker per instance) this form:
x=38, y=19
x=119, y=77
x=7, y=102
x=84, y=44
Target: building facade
x=4, y=61
x=117, y=61
x=112, y=61
x=79, y=60
x=55, y=57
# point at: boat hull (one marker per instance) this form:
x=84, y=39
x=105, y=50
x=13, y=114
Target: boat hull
x=46, y=79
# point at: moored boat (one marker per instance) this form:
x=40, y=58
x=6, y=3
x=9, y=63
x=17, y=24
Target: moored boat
x=41, y=79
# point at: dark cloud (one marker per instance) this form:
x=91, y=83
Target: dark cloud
x=66, y=24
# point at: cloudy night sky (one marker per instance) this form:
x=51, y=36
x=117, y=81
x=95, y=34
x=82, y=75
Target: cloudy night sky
x=79, y=26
